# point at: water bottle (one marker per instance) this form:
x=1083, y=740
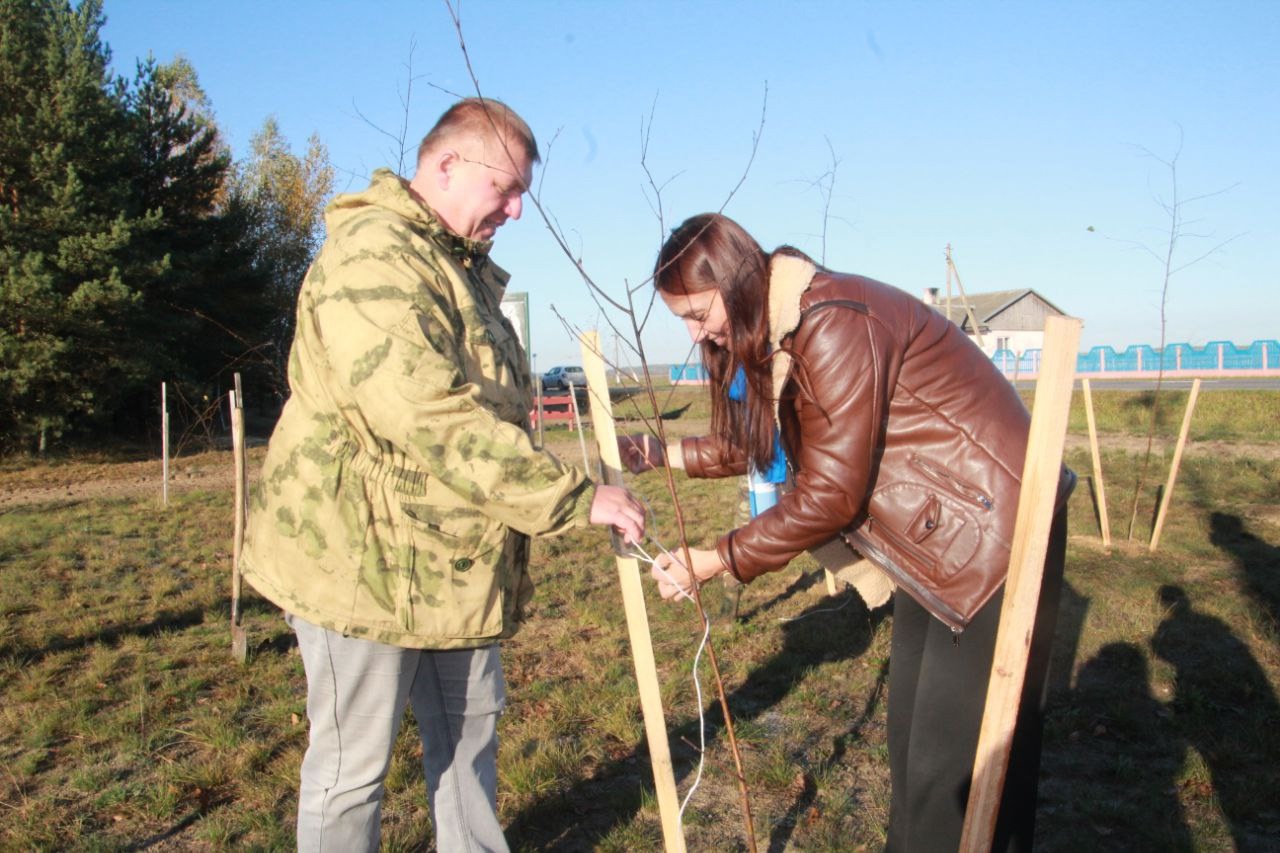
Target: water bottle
x=764, y=494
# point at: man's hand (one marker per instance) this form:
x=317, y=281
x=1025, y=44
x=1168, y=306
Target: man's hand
x=641, y=452
x=706, y=565
x=614, y=505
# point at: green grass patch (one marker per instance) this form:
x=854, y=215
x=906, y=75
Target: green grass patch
x=1222, y=415
x=124, y=722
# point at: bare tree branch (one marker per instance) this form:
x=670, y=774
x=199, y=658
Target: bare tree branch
x=627, y=309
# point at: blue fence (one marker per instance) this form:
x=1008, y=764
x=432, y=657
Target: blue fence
x=1213, y=357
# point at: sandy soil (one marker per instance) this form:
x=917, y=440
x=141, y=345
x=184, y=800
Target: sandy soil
x=21, y=485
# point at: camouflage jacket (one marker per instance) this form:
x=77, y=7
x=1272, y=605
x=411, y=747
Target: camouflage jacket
x=400, y=485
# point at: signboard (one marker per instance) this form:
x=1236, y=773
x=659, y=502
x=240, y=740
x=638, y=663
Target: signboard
x=515, y=307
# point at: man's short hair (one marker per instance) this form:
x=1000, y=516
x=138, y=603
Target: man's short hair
x=483, y=117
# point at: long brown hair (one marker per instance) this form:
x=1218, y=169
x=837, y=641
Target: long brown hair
x=712, y=252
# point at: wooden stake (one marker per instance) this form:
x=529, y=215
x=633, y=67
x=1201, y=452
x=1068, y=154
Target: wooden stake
x=1103, y=523
x=239, y=639
x=1173, y=469
x=537, y=389
x=968, y=309
x=577, y=421
x=633, y=603
x=1040, y=475
x=164, y=445
x=949, y=282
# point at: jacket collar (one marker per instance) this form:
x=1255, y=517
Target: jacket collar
x=390, y=192
x=789, y=278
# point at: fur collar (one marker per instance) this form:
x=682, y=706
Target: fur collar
x=789, y=278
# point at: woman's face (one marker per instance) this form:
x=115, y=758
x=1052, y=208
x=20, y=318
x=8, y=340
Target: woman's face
x=703, y=314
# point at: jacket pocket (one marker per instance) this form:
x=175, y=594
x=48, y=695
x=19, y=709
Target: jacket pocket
x=457, y=583
x=926, y=531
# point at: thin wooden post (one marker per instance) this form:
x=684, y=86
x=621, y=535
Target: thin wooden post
x=633, y=603
x=239, y=639
x=1040, y=476
x=537, y=390
x=968, y=309
x=577, y=421
x=1103, y=523
x=1173, y=469
x=164, y=445
x=949, y=282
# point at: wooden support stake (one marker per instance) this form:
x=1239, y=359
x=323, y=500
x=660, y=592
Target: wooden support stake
x=577, y=421
x=1173, y=469
x=1103, y=524
x=1040, y=475
x=968, y=309
x=239, y=639
x=633, y=603
x=164, y=445
x=537, y=390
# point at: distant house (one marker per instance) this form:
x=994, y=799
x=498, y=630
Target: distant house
x=1007, y=319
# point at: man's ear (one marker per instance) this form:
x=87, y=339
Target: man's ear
x=442, y=165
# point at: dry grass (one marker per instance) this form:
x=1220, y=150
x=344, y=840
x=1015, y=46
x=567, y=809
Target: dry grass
x=125, y=724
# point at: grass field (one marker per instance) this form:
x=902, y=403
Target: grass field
x=125, y=725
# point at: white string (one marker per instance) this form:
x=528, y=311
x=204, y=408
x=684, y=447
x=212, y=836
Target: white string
x=643, y=556
x=847, y=599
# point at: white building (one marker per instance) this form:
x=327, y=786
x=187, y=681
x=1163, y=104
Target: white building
x=1005, y=319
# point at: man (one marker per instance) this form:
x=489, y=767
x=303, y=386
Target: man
x=400, y=486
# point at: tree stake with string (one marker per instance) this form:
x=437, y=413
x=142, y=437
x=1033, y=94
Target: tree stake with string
x=655, y=724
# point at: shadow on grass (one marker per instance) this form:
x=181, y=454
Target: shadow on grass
x=1110, y=742
x=165, y=621
x=1225, y=708
x=1258, y=560
x=585, y=814
x=159, y=839
x=162, y=622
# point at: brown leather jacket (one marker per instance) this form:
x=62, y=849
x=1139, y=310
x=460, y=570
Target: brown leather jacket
x=911, y=447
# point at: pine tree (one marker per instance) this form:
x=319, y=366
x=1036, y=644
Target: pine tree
x=132, y=250
x=204, y=315
x=66, y=299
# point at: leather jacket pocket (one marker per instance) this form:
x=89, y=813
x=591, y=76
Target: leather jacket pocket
x=928, y=532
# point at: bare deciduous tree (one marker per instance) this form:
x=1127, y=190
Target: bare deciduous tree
x=1169, y=256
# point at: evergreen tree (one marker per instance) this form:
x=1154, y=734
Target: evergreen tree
x=132, y=250
x=204, y=315
x=67, y=300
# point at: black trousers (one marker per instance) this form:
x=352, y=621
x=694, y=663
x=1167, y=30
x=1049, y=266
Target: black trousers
x=937, y=689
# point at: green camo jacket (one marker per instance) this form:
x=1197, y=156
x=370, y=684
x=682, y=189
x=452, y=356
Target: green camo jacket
x=400, y=485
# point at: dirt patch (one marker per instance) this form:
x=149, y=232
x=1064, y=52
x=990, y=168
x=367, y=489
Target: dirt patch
x=78, y=481
x=21, y=485
x=1214, y=449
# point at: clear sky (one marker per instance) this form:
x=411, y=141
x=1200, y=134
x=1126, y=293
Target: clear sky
x=1007, y=130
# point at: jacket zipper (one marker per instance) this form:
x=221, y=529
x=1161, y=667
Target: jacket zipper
x=931, y=602
x=945, y=478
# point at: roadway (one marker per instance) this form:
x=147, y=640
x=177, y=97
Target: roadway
x=1207, y=383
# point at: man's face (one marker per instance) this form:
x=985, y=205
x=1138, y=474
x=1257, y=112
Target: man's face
x=484, y=188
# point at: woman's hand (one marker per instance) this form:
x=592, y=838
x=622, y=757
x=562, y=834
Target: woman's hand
x=641, y=453
x=706, y=565
x=614, y=505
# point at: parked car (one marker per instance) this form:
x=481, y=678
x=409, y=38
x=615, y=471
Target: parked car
x=561, y=376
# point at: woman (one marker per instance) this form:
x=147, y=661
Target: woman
x=903, y=439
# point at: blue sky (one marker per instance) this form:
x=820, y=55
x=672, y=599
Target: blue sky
x=1004, y=129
